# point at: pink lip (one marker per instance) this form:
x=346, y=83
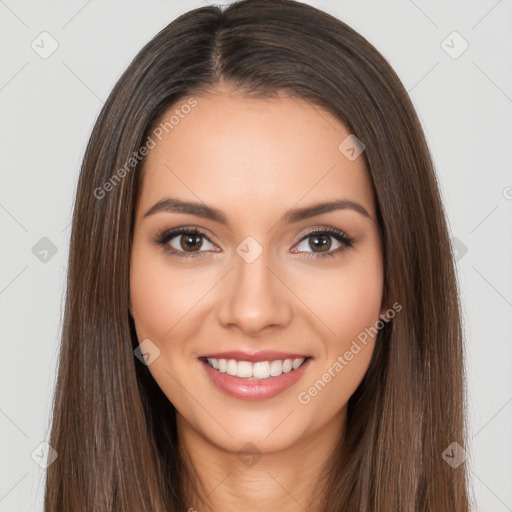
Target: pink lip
x=254, y=389
x=254, y=357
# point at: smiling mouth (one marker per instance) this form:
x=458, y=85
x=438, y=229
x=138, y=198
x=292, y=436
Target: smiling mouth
x=255, y=371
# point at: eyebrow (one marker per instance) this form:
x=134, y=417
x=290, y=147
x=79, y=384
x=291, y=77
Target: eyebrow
x=172, y=205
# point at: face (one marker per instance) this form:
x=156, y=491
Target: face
x=251, y=276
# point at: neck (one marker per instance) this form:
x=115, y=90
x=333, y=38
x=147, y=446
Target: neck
x=288, y=480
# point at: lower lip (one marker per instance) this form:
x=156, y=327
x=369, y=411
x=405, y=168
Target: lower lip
x=255, y=389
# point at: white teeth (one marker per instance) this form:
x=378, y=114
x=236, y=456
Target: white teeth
x=244, y=369
x=231, y=370
x=296, y=363
x=223, y=365
x=255, y=371
x=261, y=370
x=276, y=368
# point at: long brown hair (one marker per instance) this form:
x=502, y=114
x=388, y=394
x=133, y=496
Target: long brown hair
x=113, y=428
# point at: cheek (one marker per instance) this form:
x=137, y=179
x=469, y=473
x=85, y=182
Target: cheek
x=354, y=320
x=348, y=352
x=358, y=301
x=150, y=300
x=158, y=298
x=345, y=300
x=348, y=302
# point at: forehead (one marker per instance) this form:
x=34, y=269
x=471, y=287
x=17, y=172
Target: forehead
x=236, y=153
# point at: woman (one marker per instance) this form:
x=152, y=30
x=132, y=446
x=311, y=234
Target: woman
x=261, y=305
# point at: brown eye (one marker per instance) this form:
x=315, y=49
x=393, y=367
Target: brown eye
x=189, y=242
x=185, y=242
x=320, y=243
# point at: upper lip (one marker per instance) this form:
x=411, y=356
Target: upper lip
x=254, y=357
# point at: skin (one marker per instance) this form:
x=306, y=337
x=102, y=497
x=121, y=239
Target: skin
x=256, y=159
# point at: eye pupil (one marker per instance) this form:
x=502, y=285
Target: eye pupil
x=325, y=240
x=192, y=241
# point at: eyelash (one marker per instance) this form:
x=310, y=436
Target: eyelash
x=163, y=239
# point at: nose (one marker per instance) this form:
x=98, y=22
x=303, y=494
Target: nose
x=255, y=299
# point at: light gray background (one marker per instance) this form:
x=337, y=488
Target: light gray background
x=48, y=107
